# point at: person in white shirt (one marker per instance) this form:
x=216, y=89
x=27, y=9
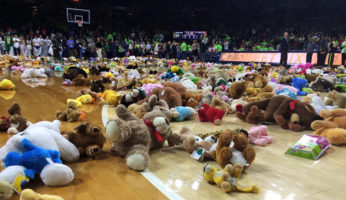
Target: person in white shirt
x=147, y=48
x=28, y=48
x=37, y=46
x=16, y=45
x=46, y=45
x=2, y=46
x=22, y=45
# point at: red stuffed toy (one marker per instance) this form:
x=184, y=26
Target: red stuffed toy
x=208, y=114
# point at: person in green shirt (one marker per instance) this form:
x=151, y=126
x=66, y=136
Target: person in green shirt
x=218, y=48
x=110, y=36
x=183, y=50
x=9, y=44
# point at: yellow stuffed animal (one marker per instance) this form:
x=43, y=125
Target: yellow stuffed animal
x=208, y=173
x=84, y=99
x=6, y=84
x=227, y=179
x=29, y=194
x=111, y=97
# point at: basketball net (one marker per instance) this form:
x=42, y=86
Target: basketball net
x=80, y=23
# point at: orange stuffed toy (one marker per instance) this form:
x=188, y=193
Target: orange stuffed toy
x=333, y=127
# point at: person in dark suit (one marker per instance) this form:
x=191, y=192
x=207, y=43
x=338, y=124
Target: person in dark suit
x=322, y=51
x=284, y=50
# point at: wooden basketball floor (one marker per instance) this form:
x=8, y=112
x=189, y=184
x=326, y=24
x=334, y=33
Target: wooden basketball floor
x=278, y=176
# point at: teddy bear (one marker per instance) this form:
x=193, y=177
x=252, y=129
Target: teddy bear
x=299, y=84
x=34, y=160
x=255, y=80
x=207, y=99
x=234, y=104
x=322, y=85
x=33, y=73
x=227, y=179
x=177, y=87
x=259, y=135
x=83, y=91
x=311, y=77
x=159, y=126
x=45, y=135
x=224, y=153
x=88, y=138
x=71, y=114
x=170, y=95
x=148, y=88
x=80, y=80
x=190, y=142
x=135, y=95
x=192, y=103
x=6, y=84
x=279, y=109
x=16, y=121
x=111, y=97
x=73, y=72
x=141, y=109
x=338, y=99
x=332, y=127
x=219, y=104
x=29, y=194
x=209, y=114
x=132, y=137
x=316, y=102
x=97, y=86
x=183, y=113
x=124, y=81
x=4, y=124
x=84, y=99
x=236, y=89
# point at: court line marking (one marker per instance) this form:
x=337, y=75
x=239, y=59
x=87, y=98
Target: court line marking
x=152, y=178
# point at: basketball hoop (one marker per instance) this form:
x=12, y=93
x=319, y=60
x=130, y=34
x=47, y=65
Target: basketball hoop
x=80, y=23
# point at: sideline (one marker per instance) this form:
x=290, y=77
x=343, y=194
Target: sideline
x=164, y=189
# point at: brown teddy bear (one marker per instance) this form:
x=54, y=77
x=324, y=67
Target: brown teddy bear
x=80, y=80
x=170, y=95
x=333, y=127
x=17, y=121
x=311, y=77
x=189, y=142
x=339, y=99
x=192, y=97
x=88, y=139
x=142, y=109
x=87, y=91
x=132, y=137
x=239, y=153
x=177, y=87
x=255, y=80
x=237, y=89
x=279, y=109
x=219, y=104
x=71, y=114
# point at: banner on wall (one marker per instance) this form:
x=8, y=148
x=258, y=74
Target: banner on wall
x=292, y=58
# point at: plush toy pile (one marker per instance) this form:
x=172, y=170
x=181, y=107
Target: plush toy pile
x=151, y=93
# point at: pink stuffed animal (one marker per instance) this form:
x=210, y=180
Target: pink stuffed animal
x=148, y=88
x=19, y=68
x=259, y=135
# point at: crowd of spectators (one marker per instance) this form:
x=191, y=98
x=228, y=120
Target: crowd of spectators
x=98, y=44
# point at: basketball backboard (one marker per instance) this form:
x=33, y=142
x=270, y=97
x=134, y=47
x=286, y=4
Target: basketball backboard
x=76, y=15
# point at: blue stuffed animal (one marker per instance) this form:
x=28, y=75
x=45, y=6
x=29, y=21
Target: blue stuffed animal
x=184, y=113
x=34, y=159
x=299, y=84
x=286, y=92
